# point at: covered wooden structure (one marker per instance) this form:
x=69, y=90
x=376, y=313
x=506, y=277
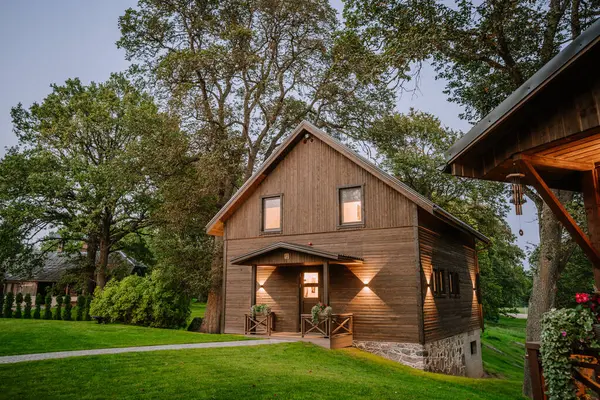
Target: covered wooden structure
x=547, y=134
x=549, y=131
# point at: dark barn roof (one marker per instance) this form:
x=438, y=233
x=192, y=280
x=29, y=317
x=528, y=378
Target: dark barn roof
x=56, y=264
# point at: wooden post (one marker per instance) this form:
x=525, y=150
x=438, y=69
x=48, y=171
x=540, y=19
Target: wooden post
x=253, y=288
x=591, y=199
x=326, y=282
x=537, y=380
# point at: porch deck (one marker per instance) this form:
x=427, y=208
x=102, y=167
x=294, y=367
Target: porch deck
x=332, y=332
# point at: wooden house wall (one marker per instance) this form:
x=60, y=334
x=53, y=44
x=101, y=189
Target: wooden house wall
x=308, y=178
x=444, y=248
x=386, y=309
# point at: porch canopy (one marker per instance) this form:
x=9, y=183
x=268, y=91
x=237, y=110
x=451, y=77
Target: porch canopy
x=284, y=253
x=548, y=130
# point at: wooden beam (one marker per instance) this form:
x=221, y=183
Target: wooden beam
x=561, y=213
x=253, y=289
x=591, y=200
x=552, y=162
x=326, y=282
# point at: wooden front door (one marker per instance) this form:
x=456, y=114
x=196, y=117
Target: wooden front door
x=310, y=289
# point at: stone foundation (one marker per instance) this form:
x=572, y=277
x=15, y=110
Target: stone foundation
x=448, y=356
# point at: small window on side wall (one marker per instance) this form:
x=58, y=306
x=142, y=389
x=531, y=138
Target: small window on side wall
x=438, y=282
x=351, y=210
x=271, y=214
x=454, y=284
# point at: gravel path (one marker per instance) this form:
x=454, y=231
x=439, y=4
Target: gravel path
x=95, y=352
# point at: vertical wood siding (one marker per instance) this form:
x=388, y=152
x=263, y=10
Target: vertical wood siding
x=447, y=316
x=309, y=177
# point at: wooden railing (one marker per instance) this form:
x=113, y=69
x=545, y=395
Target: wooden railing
x=586, y=371
x=331, y=326
x=258, y=324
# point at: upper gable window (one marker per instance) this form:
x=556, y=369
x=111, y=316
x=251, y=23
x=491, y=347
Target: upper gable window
x=271, y=214
x=351, y=205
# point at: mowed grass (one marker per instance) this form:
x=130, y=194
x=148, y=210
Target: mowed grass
x=41, y=336
x=198, y=310
x=284, y=371
x=503, y=348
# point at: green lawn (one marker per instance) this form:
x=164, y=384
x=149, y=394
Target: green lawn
x=198, y=310
x=40, y=336
x=503, y=349
x=286, y=371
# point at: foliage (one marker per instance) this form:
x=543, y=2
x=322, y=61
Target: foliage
x=88, y=305
x=195, y=325
x=260, y=309
x=38, y=306
x=8, y=303
x=68, y=307
x=48, y=306
x=149, y=301
x=27, y=312
x=19, y=301
x=577, y=277
x=564, y=330
x=80, y=308
x=411, y=147
x=1, y=304
x=87, y=164
x=318, y=310
x=58, y=311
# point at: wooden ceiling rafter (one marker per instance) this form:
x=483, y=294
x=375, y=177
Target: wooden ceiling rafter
x=561, y=213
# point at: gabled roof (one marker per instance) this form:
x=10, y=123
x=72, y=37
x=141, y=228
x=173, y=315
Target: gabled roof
x=57, y=263
x=297, y=248
x=215, y=226
x=578, y=47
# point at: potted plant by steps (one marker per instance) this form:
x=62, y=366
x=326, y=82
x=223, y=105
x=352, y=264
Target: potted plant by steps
x=260, y=309
x=591, y=302
x=320, y=311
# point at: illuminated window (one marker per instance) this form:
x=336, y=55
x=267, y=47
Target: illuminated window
x=351, y=207
x=271, y=214
x=311, y=285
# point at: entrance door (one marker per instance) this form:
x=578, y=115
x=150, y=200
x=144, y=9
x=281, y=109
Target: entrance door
x=310, y=290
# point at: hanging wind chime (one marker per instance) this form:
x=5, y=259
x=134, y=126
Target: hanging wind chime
x=517, y=194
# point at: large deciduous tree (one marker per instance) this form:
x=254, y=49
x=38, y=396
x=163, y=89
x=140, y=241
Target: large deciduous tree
x=243, y=74
x=85, y=166
x=484, y=51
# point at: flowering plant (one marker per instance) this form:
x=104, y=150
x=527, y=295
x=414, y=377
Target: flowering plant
x=591, y=302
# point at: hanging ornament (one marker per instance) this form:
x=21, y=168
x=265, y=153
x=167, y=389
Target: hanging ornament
x=517, y=191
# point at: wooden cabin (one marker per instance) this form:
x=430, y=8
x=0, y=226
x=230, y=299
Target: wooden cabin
x=319, y=223
x=547, y=134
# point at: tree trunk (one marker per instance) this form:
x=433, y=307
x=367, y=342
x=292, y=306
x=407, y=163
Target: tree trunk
x=212, y=316
x=549, y=267
x=92, y=251
x=102, y=263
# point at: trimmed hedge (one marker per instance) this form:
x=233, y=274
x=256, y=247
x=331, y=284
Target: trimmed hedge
x=48, y=307
x=19, y=301
x=1, y=304
x=27, y=312
x=68, y=308
x=80, y=308
x=8, y=303
x=38, y=306
x=58, y=311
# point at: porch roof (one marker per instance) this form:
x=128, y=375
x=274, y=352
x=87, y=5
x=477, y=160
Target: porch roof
x=248, y=258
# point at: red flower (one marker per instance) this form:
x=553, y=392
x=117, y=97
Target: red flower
x=582, y=298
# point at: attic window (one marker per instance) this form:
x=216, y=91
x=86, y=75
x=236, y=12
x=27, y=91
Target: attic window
x=351, y=211
x=271, y=214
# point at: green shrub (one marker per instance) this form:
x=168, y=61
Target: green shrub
x=149, y=301
x=27, y=313
x=58, y=312
x=18, y=311
x=38, y=306
x=88, y=305
x=8, y=303
x=48, y=306
x=1, y=304
x=68, y=308
x=80, y=308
